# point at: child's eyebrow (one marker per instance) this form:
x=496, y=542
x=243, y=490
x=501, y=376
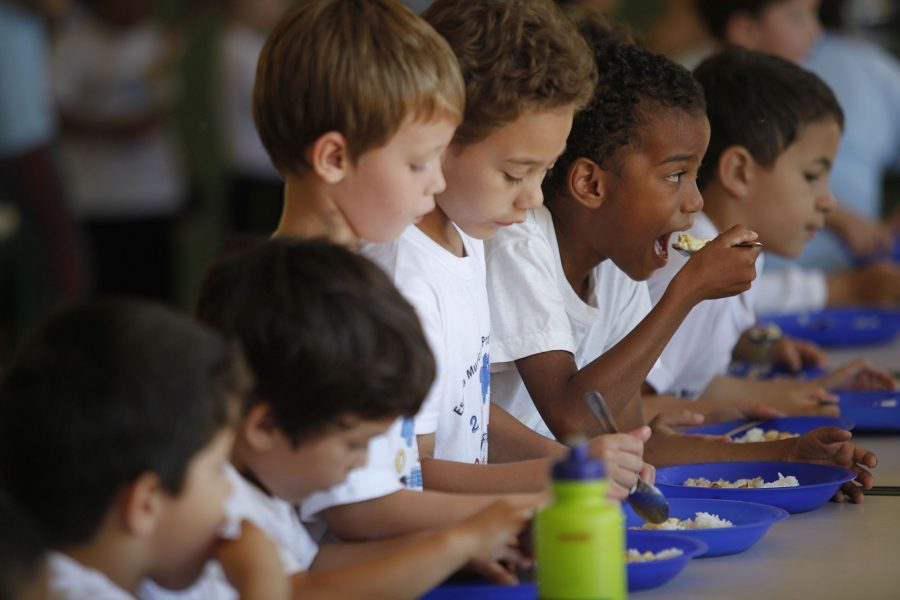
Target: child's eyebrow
x=678, y=158
x=825, y=162
x=531, y=162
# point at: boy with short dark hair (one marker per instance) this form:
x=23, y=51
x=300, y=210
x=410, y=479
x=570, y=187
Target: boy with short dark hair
x=825, y=274
x=338, y=356
x=123, y=492
x=775, y=133
x=355, y=101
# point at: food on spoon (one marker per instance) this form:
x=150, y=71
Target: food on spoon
x=689, y=243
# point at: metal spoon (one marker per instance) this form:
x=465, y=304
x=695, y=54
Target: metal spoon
x=690, y=253
x=645, y=498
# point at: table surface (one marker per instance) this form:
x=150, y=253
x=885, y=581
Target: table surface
x=840, y=551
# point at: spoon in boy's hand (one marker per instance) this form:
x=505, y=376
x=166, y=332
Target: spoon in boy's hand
x=687, y=245
x=645, y=498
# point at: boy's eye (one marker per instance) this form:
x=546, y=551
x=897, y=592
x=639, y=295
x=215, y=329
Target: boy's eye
x=417, y=168
x=513, y=180
x=675, y=177
x=811, y=177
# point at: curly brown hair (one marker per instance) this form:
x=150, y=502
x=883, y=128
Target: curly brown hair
x=358, y=67
x=516, y=56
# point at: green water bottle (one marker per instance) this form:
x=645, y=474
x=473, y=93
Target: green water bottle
x=580, y=537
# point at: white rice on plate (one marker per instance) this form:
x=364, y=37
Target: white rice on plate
x=633, y=556
x=756, y=482
x=701, y=520
x=758, y=435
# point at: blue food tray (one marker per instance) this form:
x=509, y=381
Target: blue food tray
x=799, y=425
x=818, y=483
x=751, y=522
x=841, y=326
x=872, y=410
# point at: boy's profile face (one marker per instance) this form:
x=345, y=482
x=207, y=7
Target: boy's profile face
x=787, y=29
x=190, y=522
x=319, y=463
x=393, y=186
x=655, y=192
x=492, y=183
x=791, y=198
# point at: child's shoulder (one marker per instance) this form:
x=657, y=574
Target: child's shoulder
x=71, y=580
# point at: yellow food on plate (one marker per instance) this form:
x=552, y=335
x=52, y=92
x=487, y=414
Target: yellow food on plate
x=758, y=435
x=689, y=243
x=633, y=556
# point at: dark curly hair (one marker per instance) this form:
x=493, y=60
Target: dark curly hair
x=515, y=55
x=760, y=102
x=716, y=14
x=634, y=84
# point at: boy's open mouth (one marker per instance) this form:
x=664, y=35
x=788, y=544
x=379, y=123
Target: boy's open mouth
x=661, y=246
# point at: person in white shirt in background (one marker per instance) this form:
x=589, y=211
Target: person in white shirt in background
x=114, y=84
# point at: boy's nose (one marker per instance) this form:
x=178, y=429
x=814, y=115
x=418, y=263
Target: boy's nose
x=826, y=202
x=693, y=202
x=438, y=184
x=532, y=198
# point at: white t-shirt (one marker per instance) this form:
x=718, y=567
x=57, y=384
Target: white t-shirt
x=71, y=580
x=535, y=310
x=702, y=346
x=100, y=74
x=278, y=519
x=450, y=297
x=392, y=463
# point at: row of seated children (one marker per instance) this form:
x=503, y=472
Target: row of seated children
x=359, y=169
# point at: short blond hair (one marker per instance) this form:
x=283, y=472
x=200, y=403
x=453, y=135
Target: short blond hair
x=516, y=56
x=358, y=67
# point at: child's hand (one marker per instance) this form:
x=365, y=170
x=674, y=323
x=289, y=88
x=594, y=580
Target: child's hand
x=874, y=285
x=754, y=412
x=491, y=537
x=720, y=270
x=671, y=422
x=863, y=237
x=831, y=446
x=623, y=457
x=801, y=398
x=857, y=375
x=796, y=354
x=252, y=565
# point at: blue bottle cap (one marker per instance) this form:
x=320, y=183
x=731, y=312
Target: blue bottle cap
x=578, y=466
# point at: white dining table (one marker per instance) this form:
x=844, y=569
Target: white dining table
x=839, y=551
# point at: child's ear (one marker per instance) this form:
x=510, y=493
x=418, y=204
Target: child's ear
x=736, y=171
x=328, y=156
x=586, y=182
x=742, y=29
x=258, y=427
x=142, y=504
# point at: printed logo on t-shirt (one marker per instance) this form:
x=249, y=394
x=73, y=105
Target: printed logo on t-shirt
x=410, y=475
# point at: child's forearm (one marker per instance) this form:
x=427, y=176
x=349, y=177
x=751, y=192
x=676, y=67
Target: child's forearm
x=408, y=572
x=512, y=441
x=402, y=513
x=341, y=554
x=664, y=450
x=506, y=478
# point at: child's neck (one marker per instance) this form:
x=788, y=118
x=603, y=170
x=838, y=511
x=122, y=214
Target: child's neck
x=724, y=209
x=578, y=260
x=115, y=555
x=438, y=226
x=310, y=212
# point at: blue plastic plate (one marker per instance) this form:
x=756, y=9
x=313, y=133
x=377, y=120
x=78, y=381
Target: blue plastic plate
x=818, y=483
x=872, y=410
x=751, y=522
x=841, y=326
x=798, y=425
x=641, y=576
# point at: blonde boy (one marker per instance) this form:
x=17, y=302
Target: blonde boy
x=355, y=101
